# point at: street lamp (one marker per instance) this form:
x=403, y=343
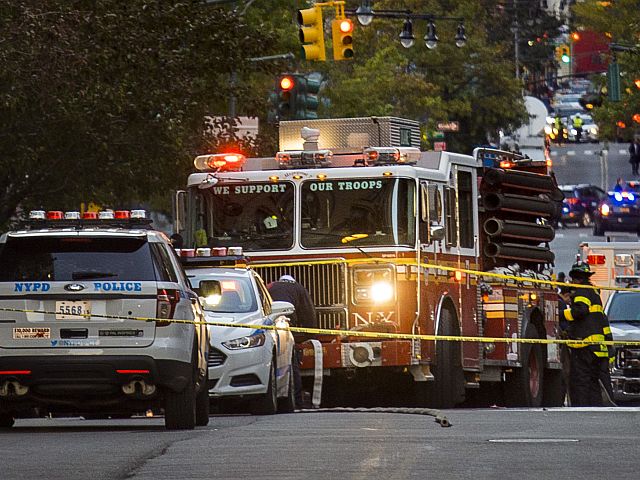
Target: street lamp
x=431, y=39
x=407, y=38
x=364, y=13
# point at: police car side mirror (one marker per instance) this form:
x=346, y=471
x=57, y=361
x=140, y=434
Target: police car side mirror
x=436, y=233
x=282, y=308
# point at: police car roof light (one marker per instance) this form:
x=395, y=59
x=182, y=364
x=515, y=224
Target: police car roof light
x=228, y=162
x=55, y=215
x=37, y=215
x=89, y=215
x=120, y=214
x=71, y=215
x=138, y=214
x=106, y=215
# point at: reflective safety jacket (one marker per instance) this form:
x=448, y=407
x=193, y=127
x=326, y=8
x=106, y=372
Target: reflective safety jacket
x=587, y=320
x=577, y=122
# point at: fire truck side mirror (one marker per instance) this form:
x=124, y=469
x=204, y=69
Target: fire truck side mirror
x=436, y=233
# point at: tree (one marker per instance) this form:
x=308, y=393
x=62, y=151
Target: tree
x=474, y=85
x=103, y=101
x=619, y=21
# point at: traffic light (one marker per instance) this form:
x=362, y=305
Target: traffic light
x=342, y=34
x=307, y=100
x=590, y=101
x=565, y=56
x=312, y=34
x=286, y=96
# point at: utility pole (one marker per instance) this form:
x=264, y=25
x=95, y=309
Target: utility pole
x=515, y=28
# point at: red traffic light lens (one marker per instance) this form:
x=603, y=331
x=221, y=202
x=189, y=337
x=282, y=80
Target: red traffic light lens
x=346, y=25
x=286, y=83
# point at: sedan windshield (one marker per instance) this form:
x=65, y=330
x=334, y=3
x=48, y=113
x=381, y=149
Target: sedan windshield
x=236, y=294
x=624, y=307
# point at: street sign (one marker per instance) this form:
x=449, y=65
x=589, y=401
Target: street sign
x=438, y=135
x=449, y=126
x=439, y=146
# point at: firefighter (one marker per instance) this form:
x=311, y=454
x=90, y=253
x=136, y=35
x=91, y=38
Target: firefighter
x=286, y=289
x=585, y=322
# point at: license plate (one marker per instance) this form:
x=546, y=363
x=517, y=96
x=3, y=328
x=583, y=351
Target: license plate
x=66, y=310
x=623, y=209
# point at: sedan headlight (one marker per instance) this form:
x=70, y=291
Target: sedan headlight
x=250, y=341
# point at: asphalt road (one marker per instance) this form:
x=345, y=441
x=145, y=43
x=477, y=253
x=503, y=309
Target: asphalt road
x=481, y=444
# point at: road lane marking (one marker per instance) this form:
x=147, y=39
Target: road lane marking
x=623, y=152
x=554, y=153
x=571, y=153
x=588, y=152
x=533, y=440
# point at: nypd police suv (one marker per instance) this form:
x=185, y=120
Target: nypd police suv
x=86, y=309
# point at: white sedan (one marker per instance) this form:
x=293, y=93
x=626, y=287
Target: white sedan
x=251, y=363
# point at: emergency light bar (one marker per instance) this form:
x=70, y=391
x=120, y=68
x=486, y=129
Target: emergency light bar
x=212, y=257
x=227, y=162
x=304, y=159
x=391, y=155
x=74, y=219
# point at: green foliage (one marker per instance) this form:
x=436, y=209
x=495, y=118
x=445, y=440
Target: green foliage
x=619, y=21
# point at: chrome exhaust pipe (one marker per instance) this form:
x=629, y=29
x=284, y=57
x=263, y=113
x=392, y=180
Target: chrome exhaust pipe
x=139, y=387
x=13, y=388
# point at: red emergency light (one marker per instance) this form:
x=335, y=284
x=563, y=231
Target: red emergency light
x=89, y=215
x=55, y=215
x=229, y=162
x=596, y=259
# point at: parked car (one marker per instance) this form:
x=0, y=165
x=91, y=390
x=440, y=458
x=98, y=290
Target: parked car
x=580, y=203
x=619, y=211
x=251, y=363
x=623, y=310
x=75, y=342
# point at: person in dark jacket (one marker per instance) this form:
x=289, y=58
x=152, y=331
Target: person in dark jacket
x=286, y=289
x=634, y=156
x=585, y=322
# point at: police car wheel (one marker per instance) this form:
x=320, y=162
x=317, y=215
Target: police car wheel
x=202, y=404
x=180, y=408
x=6, y=420
x=288, y=404
x=267, y=404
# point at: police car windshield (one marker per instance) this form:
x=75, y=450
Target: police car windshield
x=256, y=216
x=358, y=212
x=75, y=258
x=624, y=307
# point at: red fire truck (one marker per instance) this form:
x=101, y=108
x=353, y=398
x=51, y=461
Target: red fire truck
x=363, y=219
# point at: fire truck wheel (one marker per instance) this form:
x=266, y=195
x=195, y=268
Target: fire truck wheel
x=524, y=386
x=449, y=378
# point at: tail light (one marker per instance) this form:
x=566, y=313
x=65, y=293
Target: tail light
x=573, y=201
x=167, y=301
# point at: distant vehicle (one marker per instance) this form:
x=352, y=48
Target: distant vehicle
x=580, y=203
x=251, y=363
x=623, y=310
x=619, y=211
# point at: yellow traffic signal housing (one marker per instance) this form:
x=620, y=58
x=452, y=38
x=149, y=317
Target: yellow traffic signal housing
x=312, y=34
x=342, y=34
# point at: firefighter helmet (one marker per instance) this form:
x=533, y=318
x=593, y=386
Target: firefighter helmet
x=580, y=268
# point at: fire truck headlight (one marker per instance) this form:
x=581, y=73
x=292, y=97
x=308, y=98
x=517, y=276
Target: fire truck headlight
x=381, y=292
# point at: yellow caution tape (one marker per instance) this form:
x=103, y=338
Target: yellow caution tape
x=411, y=262
x=348, y=333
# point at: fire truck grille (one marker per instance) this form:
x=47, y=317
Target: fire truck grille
x=326, y=284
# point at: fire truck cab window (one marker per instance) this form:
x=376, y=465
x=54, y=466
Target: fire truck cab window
x=465, y=209
x=358, y=212
x=260, y=216
x=431, y=204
